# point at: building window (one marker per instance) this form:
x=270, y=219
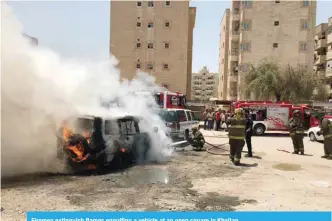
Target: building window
x=304, y=25
x=166, y=44
x=247, y=4
x=168, y=3
x=149, y=66
x=303, y=46
x=277, y=1
x=139, y=4
x=165, y=66
x=276, y=23
x=305, y=3
x=150, y=45
x=167, y=24
x=138, y=45
x=138, y=65
x=245, y=25
x=150, y=4
x=244, y=67
x=245, y=47
x=150, y=24
x=275, y=45
x=138, y=24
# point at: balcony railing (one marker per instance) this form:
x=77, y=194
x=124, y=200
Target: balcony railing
x=321, y=59
x=234, y=51
x=321, y=43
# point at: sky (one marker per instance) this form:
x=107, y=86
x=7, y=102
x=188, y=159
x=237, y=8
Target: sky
x=82, y=28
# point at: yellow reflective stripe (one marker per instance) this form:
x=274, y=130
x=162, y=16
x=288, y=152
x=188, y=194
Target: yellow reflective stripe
x=292, y=134
x=299, y=132
x=238, y=126
x=236, y=137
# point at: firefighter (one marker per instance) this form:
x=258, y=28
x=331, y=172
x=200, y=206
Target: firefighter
x=249, y=132
x=236, y=135
x=296, y=132
x=326, y=131
x=197, y=141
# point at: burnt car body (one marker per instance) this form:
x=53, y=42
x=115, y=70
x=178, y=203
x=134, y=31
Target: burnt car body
x=89, y=143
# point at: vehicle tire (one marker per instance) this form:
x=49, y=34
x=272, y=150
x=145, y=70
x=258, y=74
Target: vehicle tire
x=259, y=129
x=186, y=135
x=312, y=137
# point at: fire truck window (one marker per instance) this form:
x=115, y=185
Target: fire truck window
x=189, y=115
x=182, y=116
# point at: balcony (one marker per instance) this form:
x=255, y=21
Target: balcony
x=235, y=35
x=321, y=59
x=328, y=73
x=234, y=54
x=329, y=55
x=329, y=38
x=321, y=43
x=236, y=15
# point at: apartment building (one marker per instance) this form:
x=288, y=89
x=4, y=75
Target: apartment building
x=154, y=37
x=204, y=85
x=329, y=55
x=320, y=51
x=282, y=31
x=223, y=55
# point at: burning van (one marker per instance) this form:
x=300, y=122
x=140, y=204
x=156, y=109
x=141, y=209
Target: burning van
x=93, y=143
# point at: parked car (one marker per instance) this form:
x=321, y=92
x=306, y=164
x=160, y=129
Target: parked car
x=93, y=143
x=312, y=133
x=179, y=121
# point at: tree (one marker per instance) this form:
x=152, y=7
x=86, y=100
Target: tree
x=268, y=79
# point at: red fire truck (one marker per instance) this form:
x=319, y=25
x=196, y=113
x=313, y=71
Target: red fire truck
x=169, y=99
x=274, y=116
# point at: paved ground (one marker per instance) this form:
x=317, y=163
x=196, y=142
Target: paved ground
x=274, y=180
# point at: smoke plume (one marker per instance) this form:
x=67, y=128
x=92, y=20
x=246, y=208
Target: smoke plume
x=39, y=89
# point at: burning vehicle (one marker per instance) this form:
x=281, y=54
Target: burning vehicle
x=88, y=143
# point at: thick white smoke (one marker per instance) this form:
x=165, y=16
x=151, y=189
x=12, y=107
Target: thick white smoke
x=39, y=89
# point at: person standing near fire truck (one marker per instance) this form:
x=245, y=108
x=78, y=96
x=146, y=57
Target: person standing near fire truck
x=296, y=132
x=249, y=132
x=326, y=131
x=236, y=135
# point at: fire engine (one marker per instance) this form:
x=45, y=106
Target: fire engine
x=274, y=116
x=169, y=99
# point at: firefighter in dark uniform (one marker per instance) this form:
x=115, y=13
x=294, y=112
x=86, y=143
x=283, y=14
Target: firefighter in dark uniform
x=326, y=131
x=249, y=132
x=296, y=132
x=236, y=135
x=197, y=141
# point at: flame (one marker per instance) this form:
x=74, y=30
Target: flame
x=123, y=150
x=78, y=149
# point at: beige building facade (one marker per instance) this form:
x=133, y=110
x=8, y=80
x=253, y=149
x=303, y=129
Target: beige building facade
x=281, y=31
x=328, y=73
x=320, y=51
x=204, y=85
x=154, y=37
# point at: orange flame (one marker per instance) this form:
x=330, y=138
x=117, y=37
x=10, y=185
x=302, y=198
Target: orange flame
x=77, y=149
x=123, y=150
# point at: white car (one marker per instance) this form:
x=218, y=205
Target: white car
x=312, y=133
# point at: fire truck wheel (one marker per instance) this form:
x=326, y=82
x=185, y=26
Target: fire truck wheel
x=259, y=129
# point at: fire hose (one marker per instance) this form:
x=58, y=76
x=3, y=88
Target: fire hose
x=221, y=147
